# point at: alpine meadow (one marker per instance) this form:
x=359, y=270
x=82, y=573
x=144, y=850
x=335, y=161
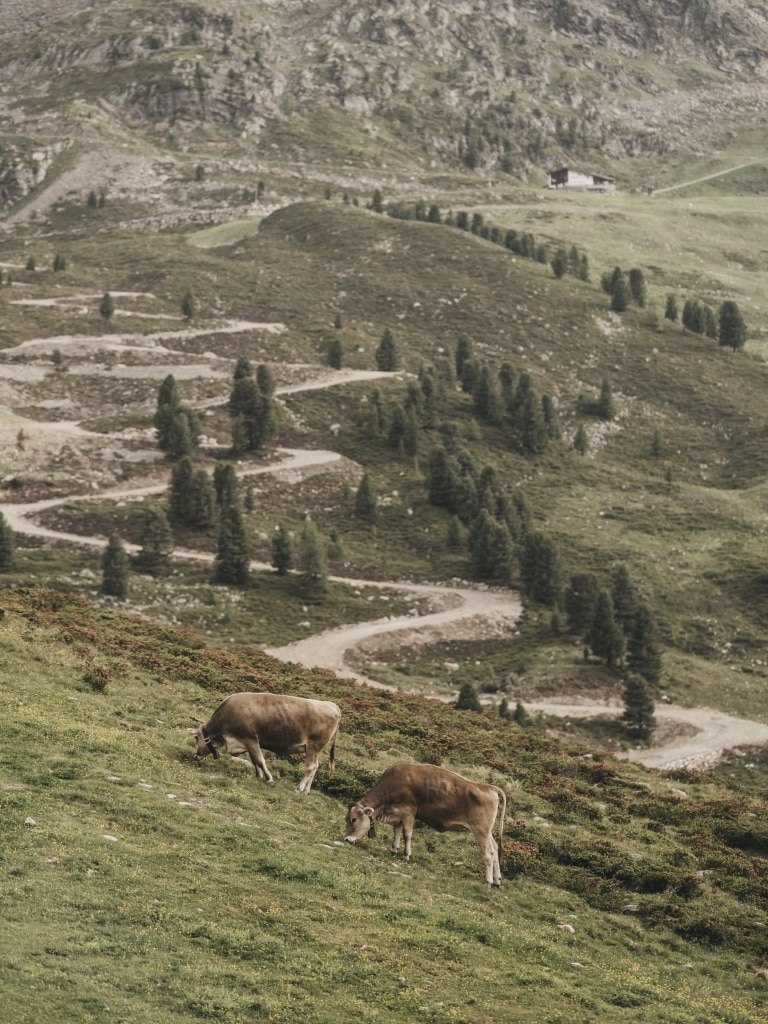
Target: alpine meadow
x=409, y=357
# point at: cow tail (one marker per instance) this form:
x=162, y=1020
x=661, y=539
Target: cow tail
x=503, y=796
x=332, y=754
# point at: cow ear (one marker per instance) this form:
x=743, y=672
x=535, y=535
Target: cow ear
x=191, y=731
x=369, y=811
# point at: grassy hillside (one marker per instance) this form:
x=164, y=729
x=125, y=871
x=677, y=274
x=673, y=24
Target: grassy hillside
x=140, y=885
x=672, y=487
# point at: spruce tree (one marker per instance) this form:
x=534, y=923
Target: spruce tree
x=540, y=571
x=732, y=330
x=115, y=566
x=365, y=499
x=7, y=544
x=156, y=542
x=180, y=502
x=203, y=506
x=313, y=570
x=606, y=410
x=387, y=356
x=107, y=306
x=168, y=404
x=581, y=439
x=282, y=551
x=463, y=353
x=466, y=699
x=637, y=286
x=521, y=716
x=335, y=354
x=411, y=433
x=181, y=440
x=225, y=484
x=232, y=559
x=188, y=305
x=639, y=706
x=559, y=263
x=580, y=599
x=620, y=293
x=624, y=599
x=490, y=547
x=605, y=636
x=533, y=432
x=643, y=648
x=670, y=311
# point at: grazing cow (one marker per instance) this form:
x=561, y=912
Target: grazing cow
x=285, y=725
x=441, y=799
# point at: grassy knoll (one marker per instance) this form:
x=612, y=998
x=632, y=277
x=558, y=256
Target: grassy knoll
x=139, y=885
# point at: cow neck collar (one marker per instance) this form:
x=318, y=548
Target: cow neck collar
x=208, y=743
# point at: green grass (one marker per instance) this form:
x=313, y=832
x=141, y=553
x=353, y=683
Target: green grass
x=217, y=896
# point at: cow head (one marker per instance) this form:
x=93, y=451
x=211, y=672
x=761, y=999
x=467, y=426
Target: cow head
x=204, y=745
x=359, y=822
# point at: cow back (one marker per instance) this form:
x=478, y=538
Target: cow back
x=281, y=723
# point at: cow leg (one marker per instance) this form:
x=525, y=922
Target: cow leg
x=262, y=772
x=491, y=858
x=408, y=823
x=310, y=770
x=398, y=831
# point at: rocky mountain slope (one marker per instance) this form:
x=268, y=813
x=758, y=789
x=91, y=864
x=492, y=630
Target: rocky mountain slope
x=482, y=85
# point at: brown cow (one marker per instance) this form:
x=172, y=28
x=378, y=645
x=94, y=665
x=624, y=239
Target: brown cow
x=285, y=725
x=441, y=799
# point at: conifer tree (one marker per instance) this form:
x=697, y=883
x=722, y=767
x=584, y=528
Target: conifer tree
x=181, y=440
x=203, y=506
x=107, y=306
x=490, y=547
x=605, y=636
x=387, y=355
x=335, y=354
x=225, y=484
x=232, y=559
x=620, y=293
x=463, y=354
x=639, y=706
x=643, y=649
x=168, y=404
x=7, y=544
x=467, y=699
x=532, y=428
x=559, y=263
x=365, y=499
x=732, y=330
x=180, y=502
x=624, y=599
x=521, y=715
x=282, y=551
x=486, y=396
x=115, y=566
x=411, y=433
x=637, y=286
x=580, y=599
x=606, y=410
x=551, y=418
x=188, y=305
x=670, y=311
x=540, y=571
x=313, y=570
x=156, y=542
